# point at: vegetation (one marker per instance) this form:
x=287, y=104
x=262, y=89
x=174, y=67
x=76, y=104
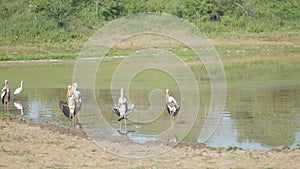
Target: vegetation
x=5, y=115
x=70, y=20
x=233, y=148
x=66, y=22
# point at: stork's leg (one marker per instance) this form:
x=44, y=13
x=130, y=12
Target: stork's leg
x=71, y=119
x=125, y=124
x=6, y=107
x=171, y=129
x=172, y=126
x=74, y=121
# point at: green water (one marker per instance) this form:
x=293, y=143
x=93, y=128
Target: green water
x=262, y=108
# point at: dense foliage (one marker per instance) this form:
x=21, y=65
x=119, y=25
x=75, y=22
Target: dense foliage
x=35, y=21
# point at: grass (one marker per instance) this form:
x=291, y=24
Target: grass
x=19, y=153
x=12, y=57
x=5, y=115
x=233, y=148
x=220, y=149
x=30, y=160
x=228, y=46
x=71, y=147
x=57, y=166
x=19, y=138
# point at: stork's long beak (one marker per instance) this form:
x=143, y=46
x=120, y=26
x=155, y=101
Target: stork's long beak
x=69, y=91
x=167, y=95
x=6, y=82
x=122, y=93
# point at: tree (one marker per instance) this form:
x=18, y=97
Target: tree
x=201, y=10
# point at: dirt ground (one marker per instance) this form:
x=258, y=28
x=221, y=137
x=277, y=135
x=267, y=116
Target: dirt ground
x=27, y=144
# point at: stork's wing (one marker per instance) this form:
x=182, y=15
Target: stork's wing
x=78, y=105
x=63, y=105
x=130, y=108
x=177, y=109
x=115, y=109
x=171, y=106
x=3, y=91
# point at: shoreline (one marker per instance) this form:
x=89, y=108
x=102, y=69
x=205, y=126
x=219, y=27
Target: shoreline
x=29, y=144
x=55, y=127
x=225, y=61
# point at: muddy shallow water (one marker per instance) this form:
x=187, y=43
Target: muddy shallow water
x=260, y=113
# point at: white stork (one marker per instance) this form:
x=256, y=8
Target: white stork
x=5, y=95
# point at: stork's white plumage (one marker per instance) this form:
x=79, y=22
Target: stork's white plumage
x=71, y=102
x=171, y=104
x=5, y=93
x=77, y=98
x=19, y=89
x=72, y=106
x=122, y=109
x=173, y=109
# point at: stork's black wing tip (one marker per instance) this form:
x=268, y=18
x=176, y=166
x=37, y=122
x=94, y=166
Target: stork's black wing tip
x=121, y=118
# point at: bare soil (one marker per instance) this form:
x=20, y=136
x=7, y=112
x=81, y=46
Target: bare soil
x=27, y=144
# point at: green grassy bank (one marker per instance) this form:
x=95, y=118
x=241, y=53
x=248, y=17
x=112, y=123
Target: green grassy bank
x=44, y=29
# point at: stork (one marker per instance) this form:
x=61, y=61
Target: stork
x=5, y=95
x=78, y=100
x=72, y=106
x=122, y=109
x=171, y=104
x=172, y=108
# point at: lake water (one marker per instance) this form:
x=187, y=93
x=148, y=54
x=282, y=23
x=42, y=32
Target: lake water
x=262, y=108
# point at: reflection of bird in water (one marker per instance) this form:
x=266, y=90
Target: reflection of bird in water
x=18, y=90
x=173, y=109
x=5, y=95
x=122, y=109
x=19, y=106
x=72, y=106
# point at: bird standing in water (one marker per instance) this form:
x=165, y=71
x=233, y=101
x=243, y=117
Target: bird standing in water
x=173, y=109
x=72, y=106
x=122, y=109
x=171, y=105
x=77, y=99
x=5, y=95
x=19, y=89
